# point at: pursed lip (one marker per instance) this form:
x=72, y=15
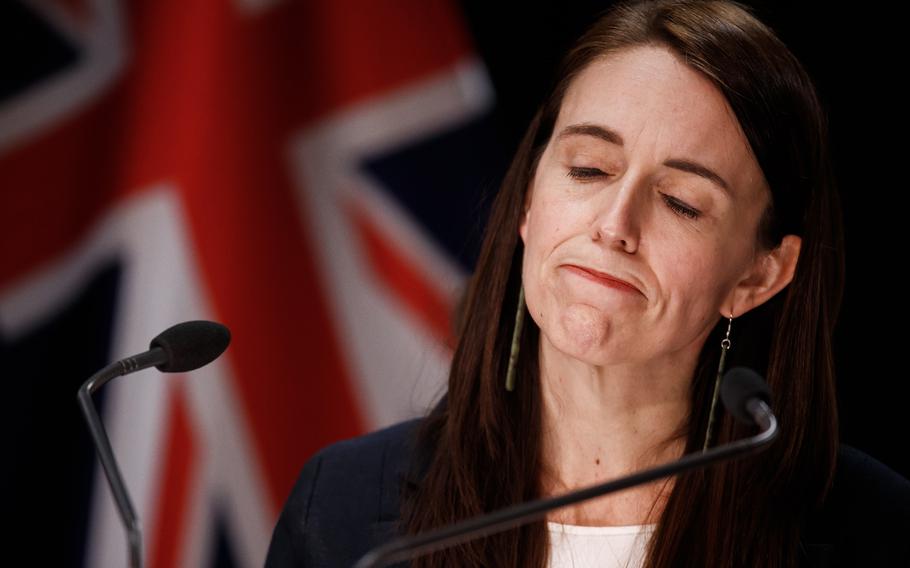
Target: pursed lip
x=608, y=278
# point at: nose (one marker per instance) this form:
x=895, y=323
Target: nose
x=618, y=222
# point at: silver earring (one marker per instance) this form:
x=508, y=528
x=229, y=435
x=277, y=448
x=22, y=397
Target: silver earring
x=516, y=339
x=724, y=347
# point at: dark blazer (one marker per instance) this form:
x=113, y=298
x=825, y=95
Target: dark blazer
x=346, y=502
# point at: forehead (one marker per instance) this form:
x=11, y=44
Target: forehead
x=662, y=108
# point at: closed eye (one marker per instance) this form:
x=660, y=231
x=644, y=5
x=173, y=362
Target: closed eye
x=678, y=206
x=584, y=174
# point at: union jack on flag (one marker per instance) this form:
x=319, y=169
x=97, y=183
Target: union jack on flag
x=304, y=172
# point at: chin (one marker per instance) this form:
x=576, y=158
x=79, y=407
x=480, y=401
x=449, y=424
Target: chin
x=582, y=345
x=582, y=329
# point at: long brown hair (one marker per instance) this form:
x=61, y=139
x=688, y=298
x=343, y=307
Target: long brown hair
x=483, y=443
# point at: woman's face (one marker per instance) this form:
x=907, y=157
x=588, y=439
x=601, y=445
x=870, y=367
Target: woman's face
x=648, y=178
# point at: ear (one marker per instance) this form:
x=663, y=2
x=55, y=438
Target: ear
x=770, y=273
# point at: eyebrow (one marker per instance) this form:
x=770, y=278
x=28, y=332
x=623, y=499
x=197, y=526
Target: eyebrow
x=613, y=137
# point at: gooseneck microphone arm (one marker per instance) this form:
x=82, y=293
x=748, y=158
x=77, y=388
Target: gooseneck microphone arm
x=183, y=347
x=151, y=358
x=744, y=402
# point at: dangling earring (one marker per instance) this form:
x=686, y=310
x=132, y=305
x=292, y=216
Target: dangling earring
x=516, y=339
x=724, y=347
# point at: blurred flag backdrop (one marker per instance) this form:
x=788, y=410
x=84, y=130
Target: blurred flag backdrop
x=307, y=173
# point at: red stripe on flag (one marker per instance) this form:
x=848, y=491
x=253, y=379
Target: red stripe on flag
x=402, y=278
x=180, y=465
x=244, y=212
x=352, y=50
x=53, y=192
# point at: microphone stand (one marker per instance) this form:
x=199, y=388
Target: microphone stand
x=180, y=348
x=411, y=546
x=150, y=358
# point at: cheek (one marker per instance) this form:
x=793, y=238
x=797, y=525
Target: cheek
x=547, y=231
x=548, y=224
x=538, y=245
x=545, y=234
x=532, y=291
x=696, y=281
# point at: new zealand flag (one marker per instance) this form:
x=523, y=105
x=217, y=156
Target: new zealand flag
x=305, y=172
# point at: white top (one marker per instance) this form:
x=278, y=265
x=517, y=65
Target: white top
x=575, y=546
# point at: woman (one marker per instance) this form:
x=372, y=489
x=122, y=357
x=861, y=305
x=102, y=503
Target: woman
x=672, y=199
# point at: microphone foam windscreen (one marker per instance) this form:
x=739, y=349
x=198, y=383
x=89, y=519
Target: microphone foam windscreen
x=739, y=385
x=191, y=344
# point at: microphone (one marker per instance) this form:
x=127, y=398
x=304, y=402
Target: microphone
x=743, y=392
x=180, y=348
x=746, y=395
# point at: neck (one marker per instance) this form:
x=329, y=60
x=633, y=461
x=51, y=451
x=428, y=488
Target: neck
x=604, y=422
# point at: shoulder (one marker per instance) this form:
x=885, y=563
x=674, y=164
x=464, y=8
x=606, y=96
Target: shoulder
x=345, y=500
x=864, y=484
x=866, y=516
x=368, y=454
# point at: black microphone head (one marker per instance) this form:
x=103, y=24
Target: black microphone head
x=191, y=344
x=739, y=385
